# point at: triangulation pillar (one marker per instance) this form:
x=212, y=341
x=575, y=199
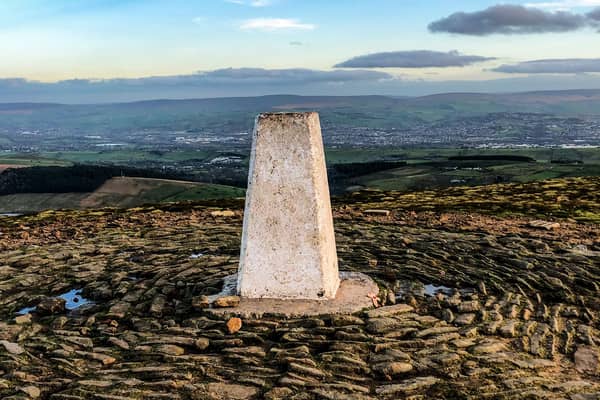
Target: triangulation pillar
x=288, y=243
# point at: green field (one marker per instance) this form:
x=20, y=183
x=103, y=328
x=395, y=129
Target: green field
x=415, y=155
x=431, y=168
x=34, y=160
x=126, y=156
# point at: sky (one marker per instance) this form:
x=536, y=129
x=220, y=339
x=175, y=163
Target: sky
x=122, y=50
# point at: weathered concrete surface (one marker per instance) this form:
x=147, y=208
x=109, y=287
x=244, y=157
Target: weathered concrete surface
x=288, y=243
x=354, y=294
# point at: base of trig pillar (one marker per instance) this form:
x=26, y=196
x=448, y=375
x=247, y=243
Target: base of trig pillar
x=354, y=294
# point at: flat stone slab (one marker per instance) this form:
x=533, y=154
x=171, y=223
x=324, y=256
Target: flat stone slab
x=352, y=296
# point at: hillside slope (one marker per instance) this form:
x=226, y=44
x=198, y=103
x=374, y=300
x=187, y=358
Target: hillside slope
x=119, y=192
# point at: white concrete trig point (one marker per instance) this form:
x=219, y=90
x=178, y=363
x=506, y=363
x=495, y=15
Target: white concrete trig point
x=288, y=243
x=288, y=261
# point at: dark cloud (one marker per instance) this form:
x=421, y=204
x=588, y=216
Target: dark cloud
x=219, y=77
x=412, y=59
x=509, y=19
x=594, y=15
x=190, y=86
x=560, y=66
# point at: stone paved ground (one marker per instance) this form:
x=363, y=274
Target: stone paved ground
x=518, y=320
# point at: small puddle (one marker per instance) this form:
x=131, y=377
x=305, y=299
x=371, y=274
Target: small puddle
x=432, y=290
x=416, y=288
x=196, y=255
x=73, y=299
x=25, y=310
x=229, y=288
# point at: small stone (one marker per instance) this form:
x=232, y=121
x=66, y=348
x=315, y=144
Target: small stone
x=12, y=348
x=509, y=328
x=306, y=371
x=547, y=225
x=227, y=301
x=462, y=343
x=23, y=319
x=465, y=319
x=344, y=320
x=391, y=369
x=202, y=343
x=391, y=297
x=469, y=306
x=412, y=385
x=279, y=393
x=230, y=391
x=488, y=346
x=382, y=213
x=158, y=305
x=234, y=325
x=438, y=330
x=447, y=315
x=536, y=363
x=80, y=341
x=470, y=331
x=482, y=288
x=119, y=343
x=390, y=310
x=222, y=213
x=200, y=302
x=171, y=350
x=587, y=359
x=51, y=305
x=103, y=358
x=119, y=310
x=31, y=391
x=382, y=325
x=59, y=322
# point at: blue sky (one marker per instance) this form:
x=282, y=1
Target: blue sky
x=55, y=40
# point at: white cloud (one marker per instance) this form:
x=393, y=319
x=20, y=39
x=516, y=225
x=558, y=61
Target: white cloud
x=252, y=3
x=275, y=24
x=198, y=20
x=261, y=3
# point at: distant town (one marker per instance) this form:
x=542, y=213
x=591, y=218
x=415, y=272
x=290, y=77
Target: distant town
x=491, y=130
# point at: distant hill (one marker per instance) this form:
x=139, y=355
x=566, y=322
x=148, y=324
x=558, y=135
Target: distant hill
x=284, y=101
x=238, y=112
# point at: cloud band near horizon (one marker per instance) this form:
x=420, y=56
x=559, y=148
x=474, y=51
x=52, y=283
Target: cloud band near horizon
x=552, y=66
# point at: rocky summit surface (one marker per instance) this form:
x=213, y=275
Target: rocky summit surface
x=490, y=292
